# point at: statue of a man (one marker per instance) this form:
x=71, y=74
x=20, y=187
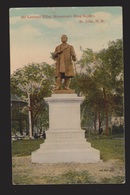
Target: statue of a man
x=64, y=55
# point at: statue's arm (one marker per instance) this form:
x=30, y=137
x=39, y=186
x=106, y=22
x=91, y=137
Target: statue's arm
x=55, y=54
x=73, y=54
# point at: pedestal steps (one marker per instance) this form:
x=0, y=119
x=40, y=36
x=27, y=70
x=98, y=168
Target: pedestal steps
x=64, y=145
x=86, y=155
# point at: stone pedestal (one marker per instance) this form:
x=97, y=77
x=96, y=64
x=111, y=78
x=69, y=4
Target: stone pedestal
x=65, y=140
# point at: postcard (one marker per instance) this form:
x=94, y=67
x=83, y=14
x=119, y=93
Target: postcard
x=67, y=95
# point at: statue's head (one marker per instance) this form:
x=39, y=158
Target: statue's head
x=64, y=38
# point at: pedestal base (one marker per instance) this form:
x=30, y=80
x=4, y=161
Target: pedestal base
x=65, y=140
x=66, y=147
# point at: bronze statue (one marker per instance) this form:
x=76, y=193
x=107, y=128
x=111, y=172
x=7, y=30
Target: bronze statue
x=64, y=56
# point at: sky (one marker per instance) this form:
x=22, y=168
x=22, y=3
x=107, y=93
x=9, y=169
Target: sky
x=36, y=31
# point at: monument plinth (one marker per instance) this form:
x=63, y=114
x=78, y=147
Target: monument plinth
x=65, y=140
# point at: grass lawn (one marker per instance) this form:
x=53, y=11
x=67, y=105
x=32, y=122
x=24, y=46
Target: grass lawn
x=25, y=147
x=109, y=148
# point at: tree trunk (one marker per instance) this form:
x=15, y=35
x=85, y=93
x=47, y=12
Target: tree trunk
x=30, y=116
x=99, y=121
x=106, y=111
x=95, y=121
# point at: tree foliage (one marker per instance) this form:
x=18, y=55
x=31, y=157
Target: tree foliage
x=100, y=80
x=38, y=80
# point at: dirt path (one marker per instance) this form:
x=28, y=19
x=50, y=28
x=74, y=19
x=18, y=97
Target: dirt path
x=23, y=168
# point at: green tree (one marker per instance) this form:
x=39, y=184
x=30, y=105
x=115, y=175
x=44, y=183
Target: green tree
x=37, y=80
x=101, y=81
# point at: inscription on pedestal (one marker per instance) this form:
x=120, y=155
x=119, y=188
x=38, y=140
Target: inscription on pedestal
x=64, y=136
